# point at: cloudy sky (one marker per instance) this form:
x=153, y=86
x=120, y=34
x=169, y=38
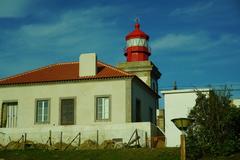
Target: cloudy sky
x=196, y=43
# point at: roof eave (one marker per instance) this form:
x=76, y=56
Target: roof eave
x=65, y=81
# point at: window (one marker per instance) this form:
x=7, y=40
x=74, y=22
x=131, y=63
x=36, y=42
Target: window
x=42, y=111
x=137, y=42
x=67, y=111
x=150, y=115
x=102, y=108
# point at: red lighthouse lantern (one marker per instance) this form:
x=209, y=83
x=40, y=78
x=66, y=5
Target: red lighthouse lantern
x=137, y=45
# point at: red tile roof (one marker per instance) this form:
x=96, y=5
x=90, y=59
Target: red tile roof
x=63, y=72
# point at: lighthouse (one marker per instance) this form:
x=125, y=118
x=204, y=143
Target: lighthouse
x=137, y=45
x=137, y=53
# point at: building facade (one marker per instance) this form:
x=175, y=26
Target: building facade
x=81, y=96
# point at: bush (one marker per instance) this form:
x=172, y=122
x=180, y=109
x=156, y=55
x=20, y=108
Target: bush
x=216, y=128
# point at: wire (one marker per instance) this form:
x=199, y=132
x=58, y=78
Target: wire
x=232, y=87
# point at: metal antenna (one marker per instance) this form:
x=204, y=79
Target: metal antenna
x=137, y=20
x=174, y=85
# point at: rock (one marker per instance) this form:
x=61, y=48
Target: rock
x=88, y=144
x=14, y=145
x=107, y=144
x=40, y=146
x=120, y=145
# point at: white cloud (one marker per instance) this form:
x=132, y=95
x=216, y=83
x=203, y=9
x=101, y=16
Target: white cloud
x=73, y=32
x=72, y=22
x=197, y=8
x=182, y=42
x=79, y=30
x=14, y=8
x=228, y=39
x=199, y=46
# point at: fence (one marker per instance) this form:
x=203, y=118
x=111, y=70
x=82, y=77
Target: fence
x=141, y=134
x=84, y=139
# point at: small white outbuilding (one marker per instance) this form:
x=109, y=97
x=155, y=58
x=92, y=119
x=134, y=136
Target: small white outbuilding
x=177, y=104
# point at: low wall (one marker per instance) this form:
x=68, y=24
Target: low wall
x=97, y=133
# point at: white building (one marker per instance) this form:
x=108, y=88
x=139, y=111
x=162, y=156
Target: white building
x=236, y=102
x=86, y=96
x=177, y=104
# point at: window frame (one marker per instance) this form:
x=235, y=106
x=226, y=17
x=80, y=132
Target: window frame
x=49, y=113
x=110, y=108
x=74, y=110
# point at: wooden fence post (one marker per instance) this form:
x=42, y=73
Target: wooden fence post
x=61, y=134
x=50, y=137
x=25, y=140
x=97, y=138
x=79, y=140
x=146, y=140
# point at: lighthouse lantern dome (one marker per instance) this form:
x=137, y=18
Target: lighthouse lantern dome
x=137, y=48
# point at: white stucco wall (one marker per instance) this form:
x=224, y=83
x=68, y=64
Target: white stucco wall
x=177, y=104
x=145, y=79
x=84, y=92
x=104, y=132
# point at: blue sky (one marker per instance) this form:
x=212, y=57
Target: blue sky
x=196, y=43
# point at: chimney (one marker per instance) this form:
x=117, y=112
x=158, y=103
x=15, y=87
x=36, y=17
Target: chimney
x=88, y=64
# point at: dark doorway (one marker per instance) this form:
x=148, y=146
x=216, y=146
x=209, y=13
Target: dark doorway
x=138, y=110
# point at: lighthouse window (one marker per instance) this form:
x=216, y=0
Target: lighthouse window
x=137, y=42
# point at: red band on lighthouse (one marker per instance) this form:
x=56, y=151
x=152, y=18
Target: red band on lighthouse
x=137, y=45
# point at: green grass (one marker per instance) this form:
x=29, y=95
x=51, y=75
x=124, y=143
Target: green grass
x=121, y=154
x=235, y=156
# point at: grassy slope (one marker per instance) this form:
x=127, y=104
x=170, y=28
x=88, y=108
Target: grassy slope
x=126, y=154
